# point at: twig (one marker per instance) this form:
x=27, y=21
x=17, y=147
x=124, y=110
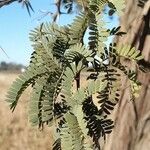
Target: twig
x=4, y=52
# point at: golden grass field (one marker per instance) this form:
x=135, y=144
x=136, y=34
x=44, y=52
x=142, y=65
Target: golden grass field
x=16, y=133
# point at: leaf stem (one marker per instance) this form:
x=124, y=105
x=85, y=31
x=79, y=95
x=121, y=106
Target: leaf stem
x=77, y=78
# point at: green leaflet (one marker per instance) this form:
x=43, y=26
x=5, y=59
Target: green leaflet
x=34, y=105
x=78, y=51
x=118, y=6
x=21, y=83
x=57, y=144
x=41, y=103
x=96, y=6
x=75, y=132
x=135, y=85
x=95, y=86
x=77, y=29
x=108, y=95
x=88, y=144
x=135, y=88
x=66, y=139
x=71, y=129
x=128, y=52
x=103, y=34
x=67, y=86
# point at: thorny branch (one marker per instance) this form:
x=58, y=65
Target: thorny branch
x=25, y=3
x=6, y=2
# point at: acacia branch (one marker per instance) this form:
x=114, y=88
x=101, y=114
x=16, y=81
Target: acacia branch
x=6, y=2
x=25, y=3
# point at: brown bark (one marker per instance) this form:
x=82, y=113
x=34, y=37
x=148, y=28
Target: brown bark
x=132, y=118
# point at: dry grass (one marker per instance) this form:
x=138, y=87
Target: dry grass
x=15, y=131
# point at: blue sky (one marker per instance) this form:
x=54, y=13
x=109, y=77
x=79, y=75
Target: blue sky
x=15, y=26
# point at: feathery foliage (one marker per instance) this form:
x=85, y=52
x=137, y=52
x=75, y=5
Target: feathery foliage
x=81, y=113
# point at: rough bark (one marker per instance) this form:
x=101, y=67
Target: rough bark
x=132, y=118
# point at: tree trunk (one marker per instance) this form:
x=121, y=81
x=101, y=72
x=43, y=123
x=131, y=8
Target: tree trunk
x=132, y=118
